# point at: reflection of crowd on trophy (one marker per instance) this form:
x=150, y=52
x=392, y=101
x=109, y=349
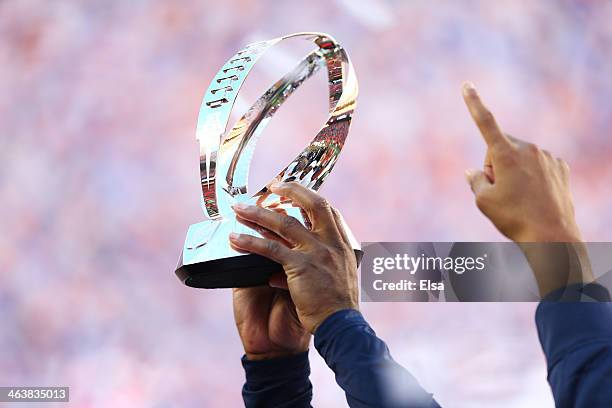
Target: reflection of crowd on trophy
x=99, y=179
x=318, y=159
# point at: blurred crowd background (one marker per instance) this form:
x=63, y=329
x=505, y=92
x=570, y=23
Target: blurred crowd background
x=98, y=180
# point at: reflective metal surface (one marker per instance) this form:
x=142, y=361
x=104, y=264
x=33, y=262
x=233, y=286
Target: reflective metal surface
x=225, y=154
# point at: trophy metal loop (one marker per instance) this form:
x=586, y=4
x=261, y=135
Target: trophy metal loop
x=225, y=157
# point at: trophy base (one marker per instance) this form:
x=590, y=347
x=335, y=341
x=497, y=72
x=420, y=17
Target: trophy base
x=207, y=260
x=236, y=272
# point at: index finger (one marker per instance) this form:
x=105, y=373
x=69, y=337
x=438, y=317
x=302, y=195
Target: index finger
x=489, y=129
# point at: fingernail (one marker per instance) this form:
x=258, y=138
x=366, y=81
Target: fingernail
x=234, y=237
x=275, y=185
x=469, y=173
x=240, y=206
x=468, y=86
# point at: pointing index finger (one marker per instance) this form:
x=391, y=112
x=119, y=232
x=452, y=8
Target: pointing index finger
x=490, y=130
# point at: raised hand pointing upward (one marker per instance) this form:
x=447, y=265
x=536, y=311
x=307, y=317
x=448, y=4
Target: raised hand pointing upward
x=523, y=189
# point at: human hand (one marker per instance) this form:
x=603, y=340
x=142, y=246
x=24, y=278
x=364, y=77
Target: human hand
x=525, y=193
x=319, y=263
x=267, y=323
x=523, y=189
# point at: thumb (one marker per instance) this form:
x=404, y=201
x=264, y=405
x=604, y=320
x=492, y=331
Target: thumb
x=477, y=180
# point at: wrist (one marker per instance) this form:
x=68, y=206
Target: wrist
x=322, y=317
x=548, y=234
x=557, y=264
x=269, y=380
x=339, y=331
x=272, y=355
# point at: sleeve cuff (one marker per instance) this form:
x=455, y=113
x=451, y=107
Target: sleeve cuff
x=335, y=324
x=261, y=373
x=565, y=325
x=591, y=292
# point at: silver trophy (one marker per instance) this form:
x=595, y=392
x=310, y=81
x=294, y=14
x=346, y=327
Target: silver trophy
x=207, y=260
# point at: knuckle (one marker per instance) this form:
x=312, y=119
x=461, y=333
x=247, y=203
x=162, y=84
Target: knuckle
x=533, y=149
x=485, y=117
x=290, y=185
x=340, y=247
x=320, y=203
x=256, y=212
x=247, y=241
x=272, y=247
x=563, y=164
x=288, y=224
x=482, y=201
x=325, y=254
x=506, y=156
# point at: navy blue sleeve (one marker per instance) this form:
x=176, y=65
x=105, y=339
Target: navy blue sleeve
x=363, y=365
x=577, y=340
x=279, y=382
